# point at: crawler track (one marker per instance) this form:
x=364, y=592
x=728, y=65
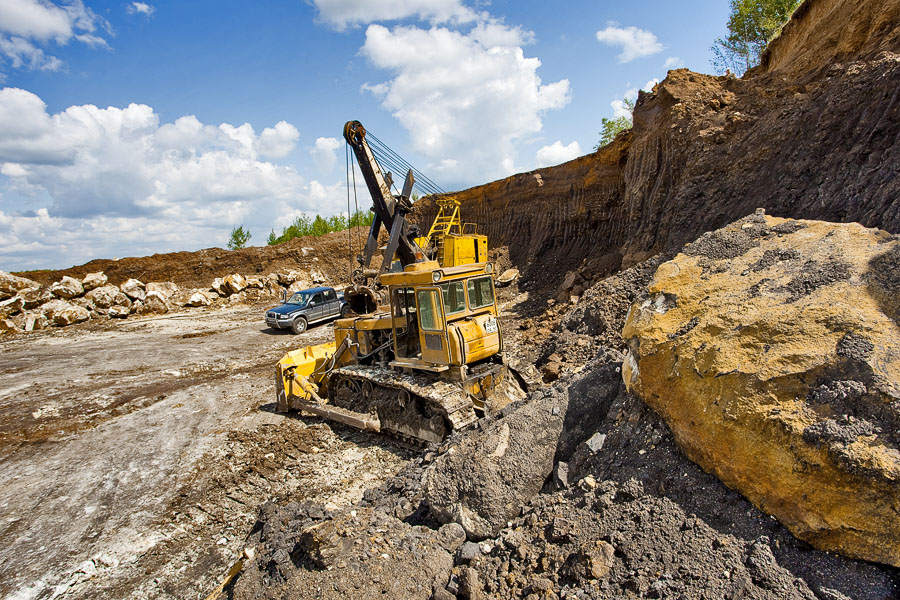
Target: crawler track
x=407, y=405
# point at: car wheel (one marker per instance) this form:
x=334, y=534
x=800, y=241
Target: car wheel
x=345, y=310
x=299, y=325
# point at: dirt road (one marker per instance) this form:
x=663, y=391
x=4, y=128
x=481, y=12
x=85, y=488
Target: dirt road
x=133, y=460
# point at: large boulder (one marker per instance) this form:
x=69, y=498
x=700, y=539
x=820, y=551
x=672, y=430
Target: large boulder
x=10, y=285
x=108, y=295
x=219, y=287
x=484, y=481
x=92, y=281
x=67, y=288
x=235, y=284
x=134, y=289
x=155, y=303
x=772, y=349
x=61, y=313
x=11, y=306
x=8, y=326
x=34, y=297
x=166, y=289
x=198, y=298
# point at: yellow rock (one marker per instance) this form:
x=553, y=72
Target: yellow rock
x=772, y=349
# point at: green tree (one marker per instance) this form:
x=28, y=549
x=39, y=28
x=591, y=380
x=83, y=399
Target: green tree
x=239, y=238
x=612, y=127
x=752, y=24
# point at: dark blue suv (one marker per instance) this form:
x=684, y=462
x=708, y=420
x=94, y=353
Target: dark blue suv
x=306, y=307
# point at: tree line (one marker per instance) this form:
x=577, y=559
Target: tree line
x=304, y=226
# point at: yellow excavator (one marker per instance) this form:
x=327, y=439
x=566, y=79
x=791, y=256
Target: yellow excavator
x=422, y=354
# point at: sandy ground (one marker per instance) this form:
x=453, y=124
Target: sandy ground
x=133, y=460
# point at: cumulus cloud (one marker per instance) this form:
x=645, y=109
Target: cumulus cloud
x=342, y=14
x=673, y=62
x=556, y=153
x=27, y=25
x=635, y=43
x=465, y=98
x=89, y=182
x=620, y=109
x=323, y=153
x=141, y=8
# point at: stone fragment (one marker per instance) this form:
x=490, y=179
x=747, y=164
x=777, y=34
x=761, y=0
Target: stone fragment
x=592, y=560
x=35, y=321
x=256, y=283
x=10, y=285
x=595, y=442
x=507, y=277
x=61, y=313
x=134, y=289
x=782, y=377
x=67, y=288
x=108, y=295
x=155, y=303
x=199, y=299
x=561, y=475
x=118, y=312
x=469, y=588
x=35, y=296
x=235, y=283
x=451, y=536
x=92, y=281
x=166, y=289
x=11, y=306
x=468, y=551
x=317, y=276
x=569, y=280
x=219, y=287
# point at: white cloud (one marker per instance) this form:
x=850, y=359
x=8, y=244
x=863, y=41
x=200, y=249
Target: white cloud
x=556, y=153
x=278, y=141
x=673, y=62
x=141, y=8
x=341, y=14
x=635, y=43
x=618, y=105
x=27, y=24
x=323, y=153
x=116, y=182
x=464, y=98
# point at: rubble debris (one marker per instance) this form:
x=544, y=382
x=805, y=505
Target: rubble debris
x=67, y=288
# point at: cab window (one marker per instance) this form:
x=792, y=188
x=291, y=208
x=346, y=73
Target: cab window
x=481, y=292
x=316, y=300
x=454, y=297
x=330, y=295
x=428, y=310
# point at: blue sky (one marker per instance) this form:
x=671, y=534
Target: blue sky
x=128, y=128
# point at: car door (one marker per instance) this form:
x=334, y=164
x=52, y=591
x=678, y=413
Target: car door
x=316, y=307
x=332, y=306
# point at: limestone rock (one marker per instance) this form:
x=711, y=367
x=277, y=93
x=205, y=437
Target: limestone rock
x=67, y=288
x=35, y=321
x=507, y=277
x=8, y=326
x=61, y=313
x=34, y=297
x=11, y=306
x=199, y=299
x=118, y=311
x=10, y=285
x=108, y=295
x=155, y=303
x=256, y=283
x=92, y=281
x=772, y=349
x=316, y=276
x=235, y=283
x=134, y=289
x=166, y=289
x=137, y=306
x=219, y=287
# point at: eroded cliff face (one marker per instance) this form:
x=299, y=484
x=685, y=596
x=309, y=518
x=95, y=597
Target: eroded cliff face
x=813, y=135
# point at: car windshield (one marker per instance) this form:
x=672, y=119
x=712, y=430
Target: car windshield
x=300, y=298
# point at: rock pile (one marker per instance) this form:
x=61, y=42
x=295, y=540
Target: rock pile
x=26, y=305
x=772, y=349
